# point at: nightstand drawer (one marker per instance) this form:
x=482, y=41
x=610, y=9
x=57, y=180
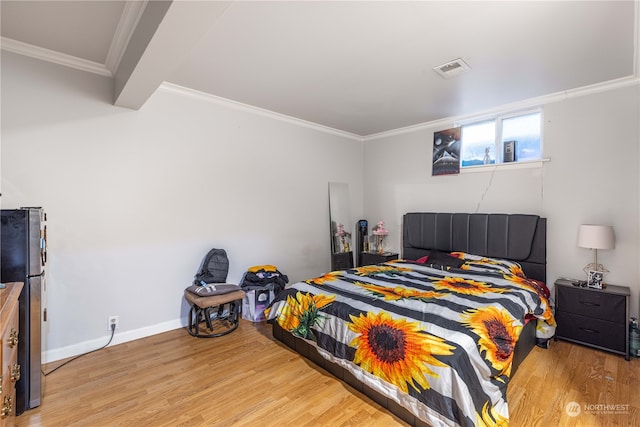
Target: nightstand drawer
x=594, y=304
x=592, y=331
x=341, y=261
x=372, y=258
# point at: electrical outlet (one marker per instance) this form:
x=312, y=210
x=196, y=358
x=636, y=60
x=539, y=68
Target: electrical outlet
x=113, y=320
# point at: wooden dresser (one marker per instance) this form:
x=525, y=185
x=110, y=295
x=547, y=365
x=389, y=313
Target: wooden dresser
x=9, y=352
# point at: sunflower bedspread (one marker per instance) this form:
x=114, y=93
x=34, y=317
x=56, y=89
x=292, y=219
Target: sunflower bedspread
x=437, y=340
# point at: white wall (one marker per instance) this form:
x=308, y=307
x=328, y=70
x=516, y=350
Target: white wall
x=593, y=142
x=592, y=177
x=136, y=198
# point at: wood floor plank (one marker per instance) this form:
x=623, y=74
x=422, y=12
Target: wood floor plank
x=249, y=379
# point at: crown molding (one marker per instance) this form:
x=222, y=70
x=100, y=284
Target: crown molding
x=29, y=50
x=181, y=90
x=519, y=105
x=32, y=51
x=129, y=19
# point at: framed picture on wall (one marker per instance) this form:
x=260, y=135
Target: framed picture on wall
x=446, y=151
x=595, y=279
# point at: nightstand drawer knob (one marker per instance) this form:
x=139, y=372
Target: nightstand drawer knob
x=591, y=331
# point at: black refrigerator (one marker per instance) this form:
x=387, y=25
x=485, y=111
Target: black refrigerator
x=23, y=249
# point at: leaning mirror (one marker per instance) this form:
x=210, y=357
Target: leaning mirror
x=339, y=226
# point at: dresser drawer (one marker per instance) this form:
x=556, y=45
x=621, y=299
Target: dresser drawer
x=595, y=304
x=592, y=331
x=10, y=370
x=7, y=402
x=10, y=341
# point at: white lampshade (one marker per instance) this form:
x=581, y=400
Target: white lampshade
x=596, y=236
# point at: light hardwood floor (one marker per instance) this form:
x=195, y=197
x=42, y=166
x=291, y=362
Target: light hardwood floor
x=247, y=378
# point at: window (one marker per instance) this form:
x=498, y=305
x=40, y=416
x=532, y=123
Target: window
x=492, y=141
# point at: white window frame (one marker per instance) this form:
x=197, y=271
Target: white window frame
x=497, y=143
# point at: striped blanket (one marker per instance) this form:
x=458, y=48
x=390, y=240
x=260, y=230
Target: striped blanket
x=437, y=339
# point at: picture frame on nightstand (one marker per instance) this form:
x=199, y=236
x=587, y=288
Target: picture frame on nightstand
x=595, y=279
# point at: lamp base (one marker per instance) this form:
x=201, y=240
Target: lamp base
x=594, y=267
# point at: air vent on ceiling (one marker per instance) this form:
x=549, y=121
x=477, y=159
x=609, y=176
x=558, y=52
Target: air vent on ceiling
x=452, y=68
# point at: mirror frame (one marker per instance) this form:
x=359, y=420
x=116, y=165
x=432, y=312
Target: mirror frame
x=339, y=213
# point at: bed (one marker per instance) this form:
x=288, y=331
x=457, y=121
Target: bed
x=433, y=337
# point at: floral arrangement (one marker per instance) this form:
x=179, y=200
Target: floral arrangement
x=380, y=232
x=345, y=237
x=379, y=229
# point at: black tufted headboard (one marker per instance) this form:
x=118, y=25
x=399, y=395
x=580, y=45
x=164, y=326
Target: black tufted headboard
x=521, y=238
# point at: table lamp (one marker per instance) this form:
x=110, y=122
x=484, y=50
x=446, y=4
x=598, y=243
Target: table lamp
x=596, y=237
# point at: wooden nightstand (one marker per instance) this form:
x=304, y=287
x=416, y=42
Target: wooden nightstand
x=370, y=258
x=593, y=317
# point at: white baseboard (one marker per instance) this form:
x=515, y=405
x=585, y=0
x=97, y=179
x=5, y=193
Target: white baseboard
x=118, y=338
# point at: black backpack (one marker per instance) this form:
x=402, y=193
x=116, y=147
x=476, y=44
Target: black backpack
x=213, y=269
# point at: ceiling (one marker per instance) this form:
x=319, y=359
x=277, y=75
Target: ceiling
x=361, y=68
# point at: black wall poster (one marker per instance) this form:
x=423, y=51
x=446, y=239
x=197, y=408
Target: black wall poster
x=446, y=151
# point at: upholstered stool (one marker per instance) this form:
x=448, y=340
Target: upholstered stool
x=214, y=308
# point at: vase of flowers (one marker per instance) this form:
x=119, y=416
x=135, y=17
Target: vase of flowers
x=380, y=233
x=345, y=238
